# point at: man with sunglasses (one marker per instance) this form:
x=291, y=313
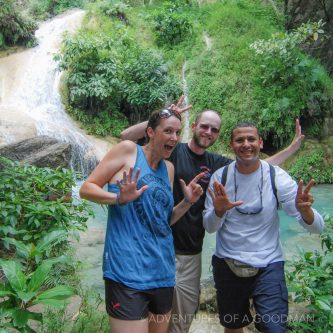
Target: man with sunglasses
x=248, y=260
x=189, y=159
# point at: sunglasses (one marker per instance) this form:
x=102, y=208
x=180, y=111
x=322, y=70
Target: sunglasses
x=250, y=210
x=206, y=127
x=166, y=113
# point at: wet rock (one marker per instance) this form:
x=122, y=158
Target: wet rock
x=41, y=151
x=208, y=295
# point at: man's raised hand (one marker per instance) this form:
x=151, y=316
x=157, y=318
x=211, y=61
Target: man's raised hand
x=220, y=199
x=177, y=107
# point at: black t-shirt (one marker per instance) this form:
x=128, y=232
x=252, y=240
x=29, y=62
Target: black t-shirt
x=188, y=232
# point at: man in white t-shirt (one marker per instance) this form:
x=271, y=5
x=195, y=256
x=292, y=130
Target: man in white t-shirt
x=248, y=260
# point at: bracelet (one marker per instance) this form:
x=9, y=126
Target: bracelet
x=117, y=200
x=188, y=201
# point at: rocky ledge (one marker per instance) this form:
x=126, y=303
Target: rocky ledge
x=41, y=151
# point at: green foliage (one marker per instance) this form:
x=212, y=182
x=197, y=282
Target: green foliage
x=282, y=44
x=42, y=9
x=172, y=24
x=35, y=201
x=310, y=278
x=91, y=317
x=312, y=165
x=103, y=124
x=22, y=290
x=34, y=252
x=110, y=81
x=145, y=83
x=268, y=89
x=284, y=73
x=37, y=214
x=227, y=77
x=116, y=9
x=92, y=65
x=16, y=28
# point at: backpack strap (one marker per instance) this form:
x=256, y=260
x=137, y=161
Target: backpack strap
x=224, y=175
x=272, y=176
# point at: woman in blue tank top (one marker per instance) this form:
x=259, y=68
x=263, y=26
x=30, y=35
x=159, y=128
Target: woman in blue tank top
x=138, y=259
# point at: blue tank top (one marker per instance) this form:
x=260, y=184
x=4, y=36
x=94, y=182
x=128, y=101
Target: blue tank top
x=138, y=250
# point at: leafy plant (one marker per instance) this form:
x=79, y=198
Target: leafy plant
x=310, y=278
x=90, y=317
x=42, y=9
x=33, y=253
x=283, y=44
x=35, y=201
x=115, y=9
x=284, y=66
x=16, y=28
x=145, y=83
x=21, y=290
x=92, y=67
x=37, y=214
x=172, y=24
x=110, y=81
x=312, y=165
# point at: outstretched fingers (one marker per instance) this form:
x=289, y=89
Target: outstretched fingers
x=177, y=107
x=219, y=189
x=237, y=203
x=304, y=199
x=180, y=101
x=142, y=189
x=197, y=178
x=186, y=108
x=212, y=194
x=308, y=187
x=136, y=176
x=130, y=174
x=300, y=189
x=119, y=185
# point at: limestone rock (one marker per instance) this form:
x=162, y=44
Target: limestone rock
x=41, y=151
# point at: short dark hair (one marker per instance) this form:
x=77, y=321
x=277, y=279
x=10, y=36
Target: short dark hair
x=244, y=124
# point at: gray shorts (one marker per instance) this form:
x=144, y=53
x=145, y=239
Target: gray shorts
x=186, y=293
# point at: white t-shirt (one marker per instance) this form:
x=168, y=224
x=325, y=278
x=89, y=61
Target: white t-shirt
x=254, y=239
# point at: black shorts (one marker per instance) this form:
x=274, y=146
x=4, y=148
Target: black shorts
x=267, y=289
x=126, y=303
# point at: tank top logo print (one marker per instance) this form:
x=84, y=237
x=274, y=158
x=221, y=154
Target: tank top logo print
x=154, y=207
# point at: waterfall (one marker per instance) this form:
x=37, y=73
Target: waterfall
x=37, y=92
x=186, y=117
x=208, y=41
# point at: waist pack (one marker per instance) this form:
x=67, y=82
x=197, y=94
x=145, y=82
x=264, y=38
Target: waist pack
x=240, y=268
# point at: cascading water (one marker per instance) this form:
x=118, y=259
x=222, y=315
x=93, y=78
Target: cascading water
x=186, y=124
x=37, y=93
x=186, y=117
x=208, y=41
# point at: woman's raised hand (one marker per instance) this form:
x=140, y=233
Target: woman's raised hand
x=128, y=187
